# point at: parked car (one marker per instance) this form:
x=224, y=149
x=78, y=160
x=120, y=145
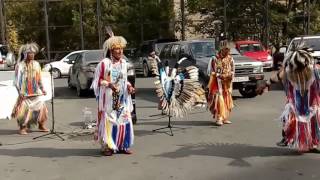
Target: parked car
x=312, y=42
x=255, y=50
x=141, y=61
x=82, y=72
x=7, y=58
x=61, y=68
x=200, y=52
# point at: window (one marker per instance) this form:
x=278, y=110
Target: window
x=71, y=58
x=175, y=50
x=78, y=59
x=92, y=56
x=165, y=53
x=313, y=43
x=251, y=47
x=202, y=49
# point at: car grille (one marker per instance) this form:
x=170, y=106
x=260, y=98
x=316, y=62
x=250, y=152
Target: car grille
x=243, y=71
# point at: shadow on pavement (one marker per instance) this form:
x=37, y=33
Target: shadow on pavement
x=67, y=93
x=237, y=152
x=180, y=123
x=49, y=152
x=8, y=132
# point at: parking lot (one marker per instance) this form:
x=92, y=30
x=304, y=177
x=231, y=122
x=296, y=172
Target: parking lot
x=243, y=150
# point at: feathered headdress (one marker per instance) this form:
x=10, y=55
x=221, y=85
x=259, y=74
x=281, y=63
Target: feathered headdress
x=298, y=65
x=114, y=41
x=25, y=49
x=178, y=91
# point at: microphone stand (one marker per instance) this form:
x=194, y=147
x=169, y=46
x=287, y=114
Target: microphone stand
x=52, y=131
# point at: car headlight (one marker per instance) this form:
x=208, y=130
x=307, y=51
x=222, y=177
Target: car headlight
x=269, y=58
x=258, y=69
x=131, y=72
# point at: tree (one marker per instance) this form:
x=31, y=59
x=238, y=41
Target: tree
x=246, y=18
x=126, y=17
x=13, y=40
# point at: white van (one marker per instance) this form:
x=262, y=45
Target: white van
x=61, y=68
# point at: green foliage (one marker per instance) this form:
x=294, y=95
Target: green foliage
x=246, y=18
x=126, y=17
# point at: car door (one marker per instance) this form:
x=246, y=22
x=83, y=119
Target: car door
x=185, y=53
x=165, y=53
x=68, y=62
x=76, y=68
x=174, y=54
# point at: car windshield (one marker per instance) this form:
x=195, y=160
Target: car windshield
x=313, y=43
x=234, y=52
x=202, y=49
x=251, y=47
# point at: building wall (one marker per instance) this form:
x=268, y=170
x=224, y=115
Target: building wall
x=189, y=27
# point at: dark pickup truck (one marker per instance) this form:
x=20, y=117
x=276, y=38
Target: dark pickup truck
x=200, y=52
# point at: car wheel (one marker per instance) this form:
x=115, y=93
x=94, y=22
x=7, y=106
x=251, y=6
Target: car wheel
x=145, y=70
x=248, y=91
x=56, y=73
x=80, y=92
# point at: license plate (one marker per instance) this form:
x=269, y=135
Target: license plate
x=241, y=79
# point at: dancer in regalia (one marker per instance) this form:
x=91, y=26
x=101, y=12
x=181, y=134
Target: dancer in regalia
x=301, y=116
x=221, y=71
x=30, y=109
x=113, y=91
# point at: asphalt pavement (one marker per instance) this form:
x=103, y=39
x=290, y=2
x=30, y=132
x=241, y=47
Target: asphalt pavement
x=199, y=150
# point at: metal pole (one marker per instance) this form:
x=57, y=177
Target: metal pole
x=183, y=20
x=141, y=22
x=47, y=28
x=99, y=22
x=81, y=25
x=3, y=29
x=308, y=20
x=225, y=17
x=267, y=24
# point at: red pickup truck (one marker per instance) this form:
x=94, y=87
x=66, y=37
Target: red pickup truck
x=255, y=50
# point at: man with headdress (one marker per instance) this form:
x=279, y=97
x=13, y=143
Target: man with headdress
x=113, y=91
x=221, y=72
x=301, y=116
x=30, y=109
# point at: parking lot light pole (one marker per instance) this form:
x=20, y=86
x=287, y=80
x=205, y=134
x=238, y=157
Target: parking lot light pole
x=308, y=18
x=225, y=17
x=99, y=22
x=183, y=20
x=2, y=21
x=46, y=18
x=81, y=24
